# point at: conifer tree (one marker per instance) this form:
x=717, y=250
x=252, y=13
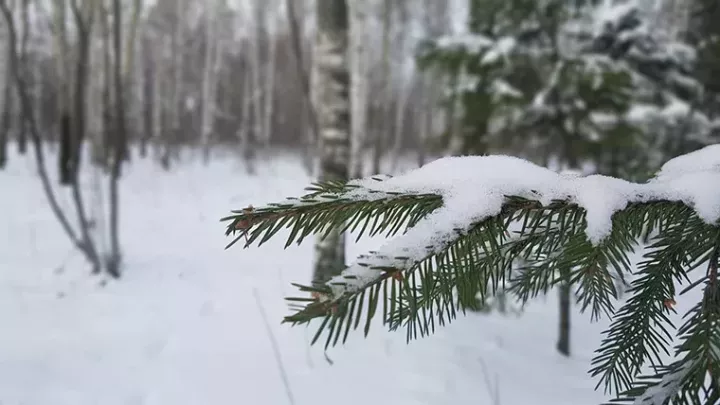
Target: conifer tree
x=531, y=70
x=704, y=34
x=459, y=224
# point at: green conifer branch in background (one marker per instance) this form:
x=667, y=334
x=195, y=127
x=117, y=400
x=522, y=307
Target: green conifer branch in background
x=522, y=250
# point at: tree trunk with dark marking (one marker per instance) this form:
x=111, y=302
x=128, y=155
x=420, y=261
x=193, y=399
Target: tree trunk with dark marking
x=333, y=99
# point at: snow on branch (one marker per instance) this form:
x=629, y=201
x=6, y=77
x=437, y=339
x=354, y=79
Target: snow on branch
x=474, y=188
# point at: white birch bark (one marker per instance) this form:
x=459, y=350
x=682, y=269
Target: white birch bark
x=359, y=79
x=404, y=87
x=384, y=99
x=331, y=64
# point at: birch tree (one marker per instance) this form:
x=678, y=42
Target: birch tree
x=359, y=82
x=382, y=103
x=119, y=144
x=404, y=84
x=332, y=86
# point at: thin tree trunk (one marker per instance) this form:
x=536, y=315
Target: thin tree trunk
x=129, y=77
x=259, y=94
x=246, y=144
x=334, y=119
x=148, y=96
x=21, y=126
x=405, y=87
x=78, y=121
x=83, y=21
x=64, y=99
x=209, y=80
x=119, y=147
x=425, y=116
x=457, y=145
x=177, y=104
x=159, y=103
x=102, y=142
x=437, y=20
x=269, y=92
x=6, y=117
x=310, y=135
x=398, y=133
x=383, y=103
x=358, y=84
x=563, y=343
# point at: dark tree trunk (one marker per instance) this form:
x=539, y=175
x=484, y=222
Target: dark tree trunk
x=565, y=290
x=77, y=127
x=66, y=148
x=22, y=124
x=3, y=149
x=148, y=93
x=22, y=136
x=6, y=123
x=563, y=343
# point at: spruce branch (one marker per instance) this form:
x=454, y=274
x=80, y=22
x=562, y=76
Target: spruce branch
x=512, y=236
x=327, y=207
x=693, y=379
x=428, y=292
x=640, y=331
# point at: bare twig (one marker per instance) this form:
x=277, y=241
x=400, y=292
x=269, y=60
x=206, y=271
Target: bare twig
x=275, y=347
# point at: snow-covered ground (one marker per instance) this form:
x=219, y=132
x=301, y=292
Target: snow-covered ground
x=185, y=325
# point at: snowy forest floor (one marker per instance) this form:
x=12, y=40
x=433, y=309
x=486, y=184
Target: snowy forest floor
x=183, y=325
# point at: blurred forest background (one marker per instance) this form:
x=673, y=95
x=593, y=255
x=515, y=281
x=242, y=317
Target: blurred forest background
x=355, y=87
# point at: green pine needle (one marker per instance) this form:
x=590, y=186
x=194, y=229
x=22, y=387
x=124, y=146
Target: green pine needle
x=526, y=249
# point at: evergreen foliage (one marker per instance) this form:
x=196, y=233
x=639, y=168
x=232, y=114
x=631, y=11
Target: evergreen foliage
x=576, y=81
x=528, y=247
x=704, y=34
